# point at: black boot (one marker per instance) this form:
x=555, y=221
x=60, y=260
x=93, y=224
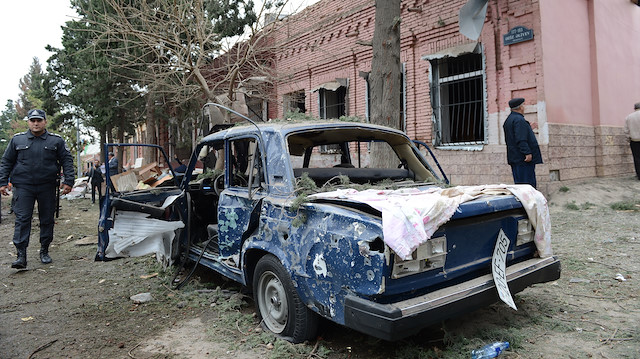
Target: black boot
x=21, y=262
x=44, y=255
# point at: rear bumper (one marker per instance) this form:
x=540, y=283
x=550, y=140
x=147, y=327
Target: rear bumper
x=398, y=320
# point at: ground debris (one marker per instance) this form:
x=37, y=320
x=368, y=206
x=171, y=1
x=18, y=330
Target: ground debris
x=141, y=298
x=620, y=277
x=42, y=347
x=579, y=280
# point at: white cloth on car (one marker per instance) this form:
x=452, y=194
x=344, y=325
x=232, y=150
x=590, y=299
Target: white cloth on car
x=411, y=216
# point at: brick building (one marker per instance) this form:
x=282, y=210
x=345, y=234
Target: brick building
x=575, y=62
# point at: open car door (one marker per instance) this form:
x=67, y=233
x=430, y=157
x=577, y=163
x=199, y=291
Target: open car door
x=144, y=208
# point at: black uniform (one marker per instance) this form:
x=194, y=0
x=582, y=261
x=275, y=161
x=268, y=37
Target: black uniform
x=95, y=178
x=34, y=162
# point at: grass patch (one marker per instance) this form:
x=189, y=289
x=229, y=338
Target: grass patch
x=572, y=206
x=564, y=189
x=587, y=205
x=572, y=265
x=416, y=352
x=631, y=205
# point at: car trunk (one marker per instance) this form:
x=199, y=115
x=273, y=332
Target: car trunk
x=458, y=250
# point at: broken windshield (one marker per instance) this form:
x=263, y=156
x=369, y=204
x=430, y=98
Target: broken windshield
x=356, y=156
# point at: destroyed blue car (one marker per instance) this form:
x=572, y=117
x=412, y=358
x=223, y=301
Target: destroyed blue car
x=339, y=220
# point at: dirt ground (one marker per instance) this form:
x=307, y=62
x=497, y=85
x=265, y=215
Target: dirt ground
x=78, y=308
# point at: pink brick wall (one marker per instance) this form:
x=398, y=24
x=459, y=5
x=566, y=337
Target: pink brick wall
x=325, y=42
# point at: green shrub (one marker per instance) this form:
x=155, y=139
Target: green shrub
x=633, y=205
x=587, y=205
x=572, y=206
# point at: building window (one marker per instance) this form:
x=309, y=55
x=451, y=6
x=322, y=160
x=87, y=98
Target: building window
x=257, y=109
x=332, y=103
x=295, y=102
x=457, y=98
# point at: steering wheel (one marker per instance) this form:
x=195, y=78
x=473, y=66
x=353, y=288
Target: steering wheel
x=218, y=184
x=240, y=181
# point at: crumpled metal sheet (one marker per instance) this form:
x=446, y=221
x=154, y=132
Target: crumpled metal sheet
x=135, y=234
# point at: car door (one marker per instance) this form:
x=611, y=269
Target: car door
x=143, y=208
x=241, y=200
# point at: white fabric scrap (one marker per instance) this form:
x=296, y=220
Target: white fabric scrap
x=411, y=216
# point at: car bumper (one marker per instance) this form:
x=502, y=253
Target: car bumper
x=398, y=320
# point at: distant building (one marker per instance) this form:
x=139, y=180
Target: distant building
x=575, y=62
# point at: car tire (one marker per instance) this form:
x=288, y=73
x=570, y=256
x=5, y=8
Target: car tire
x=277, y=303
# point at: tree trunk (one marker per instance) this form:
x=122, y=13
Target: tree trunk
x=103, y=140
x=120, y=135
x=384, y=80
x=150, y=133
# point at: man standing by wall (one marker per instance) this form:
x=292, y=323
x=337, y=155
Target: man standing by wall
x=632, y=130
x=33, y=160
x=523, y=152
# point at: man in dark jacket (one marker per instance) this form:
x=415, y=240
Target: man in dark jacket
x=33, y=159
x=113, y=164
x=523, y=152
x=96, y=179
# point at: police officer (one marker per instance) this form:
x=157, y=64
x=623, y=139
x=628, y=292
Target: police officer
x=33, y=160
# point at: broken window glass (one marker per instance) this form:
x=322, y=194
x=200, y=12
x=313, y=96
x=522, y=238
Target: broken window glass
x=295, y=102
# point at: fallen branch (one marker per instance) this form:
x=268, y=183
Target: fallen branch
x=132, y=349
x=42, y=347
x=619, y=339
x=169, y=289
x=612, y=336
x=612, y=266
x=313, y=351
x=586, y=321
x=592, y=296
x=238, y=327
x=32, y=302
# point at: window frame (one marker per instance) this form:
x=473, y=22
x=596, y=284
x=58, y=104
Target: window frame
x=436, y=84
x=322, y=102
x=295, y=100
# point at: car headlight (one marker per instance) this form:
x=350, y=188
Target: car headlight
x=428, y=256
x=525, y=232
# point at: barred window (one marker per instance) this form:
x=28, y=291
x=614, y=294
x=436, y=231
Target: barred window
x=458, y=100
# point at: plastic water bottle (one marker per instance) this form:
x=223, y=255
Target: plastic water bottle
x=489, y=351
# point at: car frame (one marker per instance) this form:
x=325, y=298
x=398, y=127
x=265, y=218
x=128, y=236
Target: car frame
x=307, y=256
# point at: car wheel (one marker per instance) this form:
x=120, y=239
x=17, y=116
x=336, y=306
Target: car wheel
x=278, y=304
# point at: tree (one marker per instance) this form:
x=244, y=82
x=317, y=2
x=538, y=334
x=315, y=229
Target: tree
x=180, y=50
x=385, y=80
x=30, y=89
x=84, y=83
x=7, y=117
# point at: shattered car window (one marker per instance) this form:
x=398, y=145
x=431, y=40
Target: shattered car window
x=358, y=157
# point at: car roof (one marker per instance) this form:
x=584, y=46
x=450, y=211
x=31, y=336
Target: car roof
x=288, y=127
